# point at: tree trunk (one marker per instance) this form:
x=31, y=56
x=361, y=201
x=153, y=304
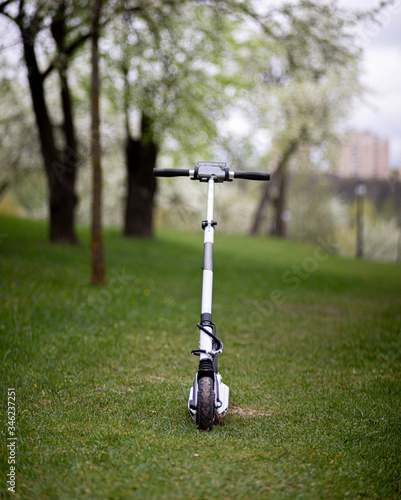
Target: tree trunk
x=62, y=199
x=98, y=270
x=70, y=153
x=141, y=186
x=3, y=188
x=260, y=211
x=279, y=201
x=279, y=226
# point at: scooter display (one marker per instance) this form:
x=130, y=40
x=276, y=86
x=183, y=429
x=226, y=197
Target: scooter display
x=209, y=396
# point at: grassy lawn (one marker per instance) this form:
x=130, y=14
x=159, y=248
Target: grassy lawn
x=102, y=375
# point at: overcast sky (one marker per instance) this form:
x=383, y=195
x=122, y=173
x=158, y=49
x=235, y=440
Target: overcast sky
x=382, y=74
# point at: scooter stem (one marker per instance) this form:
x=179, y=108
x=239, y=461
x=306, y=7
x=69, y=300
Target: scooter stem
x=205, y=341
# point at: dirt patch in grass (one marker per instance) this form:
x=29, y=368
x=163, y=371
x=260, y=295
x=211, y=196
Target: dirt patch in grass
x=247, y=412
x=156, y=378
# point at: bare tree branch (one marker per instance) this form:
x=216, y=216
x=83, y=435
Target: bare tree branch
x=67, y=52
x=3, y=5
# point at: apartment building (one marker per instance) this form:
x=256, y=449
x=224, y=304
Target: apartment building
x=364, y=155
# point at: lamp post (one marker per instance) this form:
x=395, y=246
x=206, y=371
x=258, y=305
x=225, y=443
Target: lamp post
x=360, y=191
x=398, y=258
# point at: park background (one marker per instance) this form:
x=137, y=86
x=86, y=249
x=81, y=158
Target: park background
x=100, y=270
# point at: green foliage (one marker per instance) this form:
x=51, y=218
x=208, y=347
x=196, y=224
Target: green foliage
x=20, y=162
x=315, y=213
x=380, y=235
x=167, y=63
x=18, y=142
x=102, y=375
x=220, y=80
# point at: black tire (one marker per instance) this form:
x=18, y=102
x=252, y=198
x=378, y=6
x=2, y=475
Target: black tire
x=205, y=409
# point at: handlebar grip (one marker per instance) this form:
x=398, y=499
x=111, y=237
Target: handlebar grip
x=170, y=172
x=252, y=176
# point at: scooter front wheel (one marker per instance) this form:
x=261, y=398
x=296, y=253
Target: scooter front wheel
x=205, y=409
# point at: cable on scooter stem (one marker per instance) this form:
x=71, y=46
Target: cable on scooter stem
x=220, y=345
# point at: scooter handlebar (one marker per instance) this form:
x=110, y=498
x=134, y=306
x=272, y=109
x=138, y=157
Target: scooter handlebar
x=221, y=174
x=170, y=172
x=252, y=176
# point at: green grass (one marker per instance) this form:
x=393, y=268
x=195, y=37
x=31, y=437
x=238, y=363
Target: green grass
x=102, y=375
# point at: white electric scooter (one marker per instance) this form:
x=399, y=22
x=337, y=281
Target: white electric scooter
x=208, y=397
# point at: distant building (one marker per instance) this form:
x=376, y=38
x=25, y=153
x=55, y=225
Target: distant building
x=365, y=156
